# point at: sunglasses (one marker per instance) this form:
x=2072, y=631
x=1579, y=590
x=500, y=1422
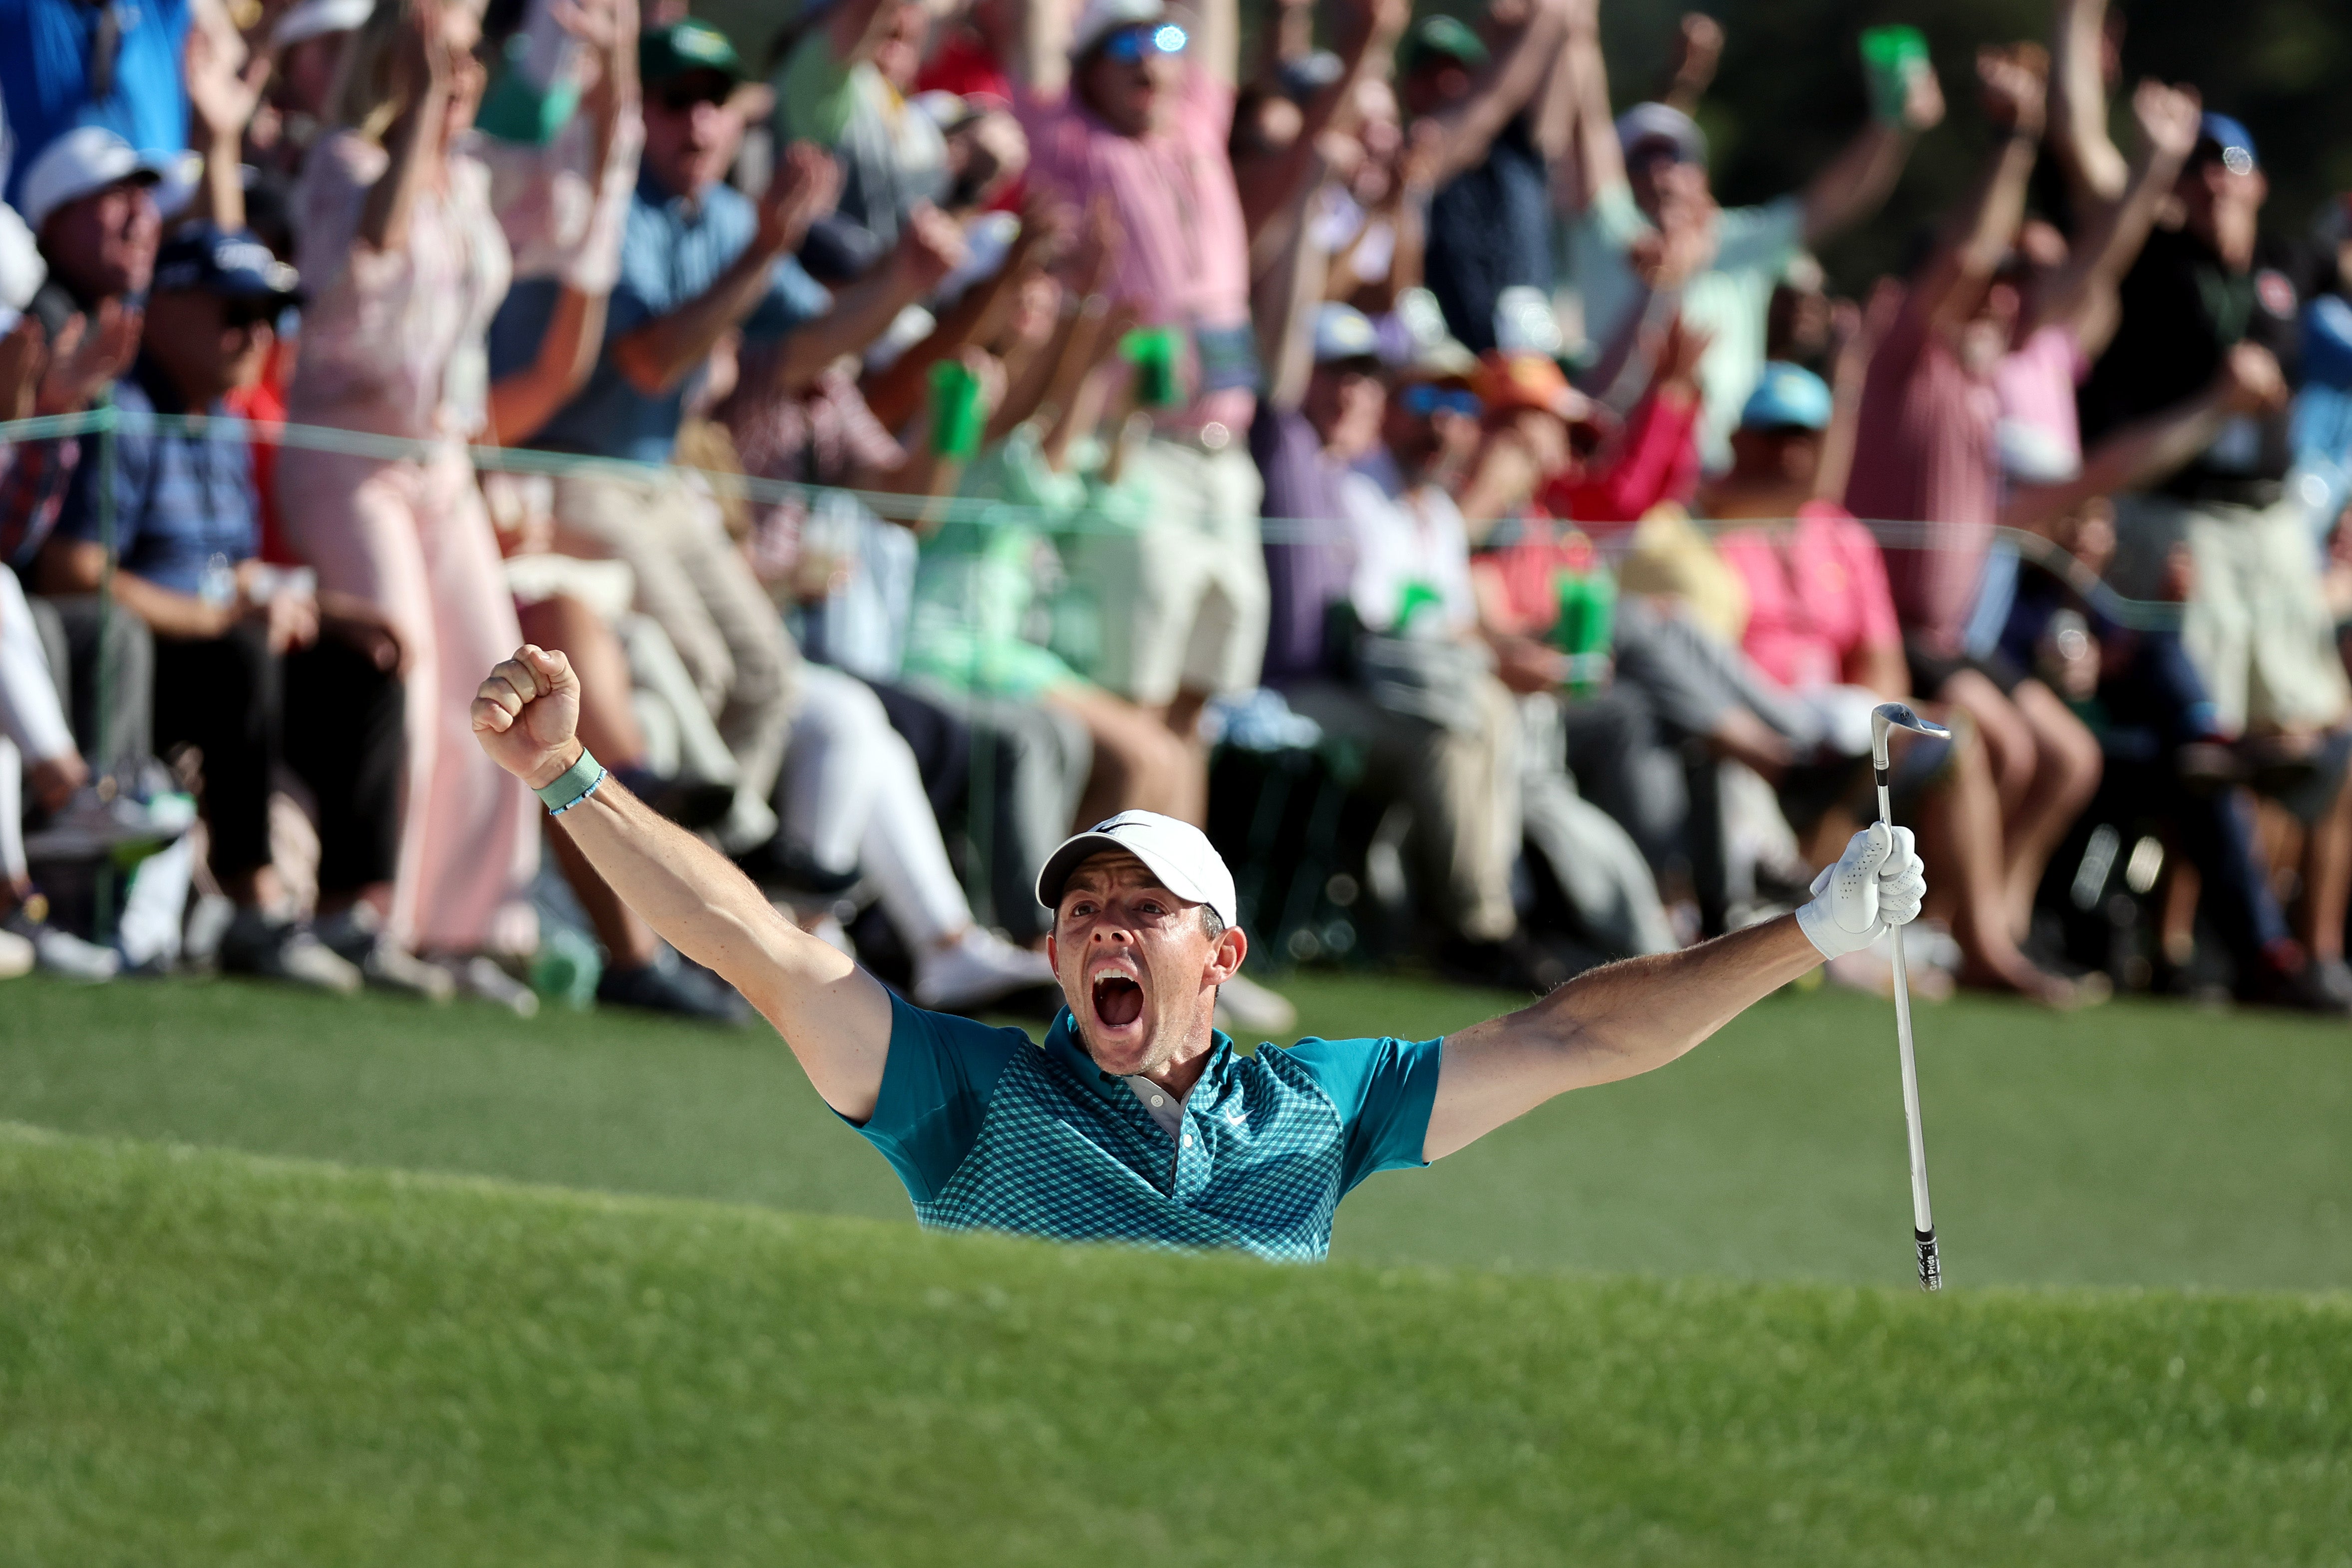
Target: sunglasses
x=1128, y=45
x=1423, y=400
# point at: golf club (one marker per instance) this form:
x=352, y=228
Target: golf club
x=1886, y=716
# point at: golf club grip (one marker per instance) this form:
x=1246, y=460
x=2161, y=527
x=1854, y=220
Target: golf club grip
x=1931, y=1266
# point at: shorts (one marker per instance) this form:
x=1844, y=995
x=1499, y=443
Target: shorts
x=1183, y=599
x=1930, y=669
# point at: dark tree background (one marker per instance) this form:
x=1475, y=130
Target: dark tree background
x=1790, y=91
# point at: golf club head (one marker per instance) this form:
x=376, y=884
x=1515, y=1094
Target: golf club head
x=1897, y=716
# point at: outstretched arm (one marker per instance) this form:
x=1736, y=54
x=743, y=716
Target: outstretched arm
x=1857, y=182
x=1472, y=125
x=2087, y=156
x=2082, y=295
x=1980, y=230
x=1628, y=1018
x=834, y=1015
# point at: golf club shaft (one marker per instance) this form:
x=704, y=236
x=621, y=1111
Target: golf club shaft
x=1923, y=1219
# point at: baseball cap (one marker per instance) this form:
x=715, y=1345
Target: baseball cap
x=1101, y=18
x=232, y=263
x=317, y=18
x=1661, y=122
x=1787, y=397
x=682, y=48
x=2032, y=454
x=2219, y=136
x=1344, y=332
x=1178, y=853
x=1507, y=382
x=1443, y=38
x=89, y=158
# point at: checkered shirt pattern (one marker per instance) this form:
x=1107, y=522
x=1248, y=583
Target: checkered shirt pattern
x=1257, y=1166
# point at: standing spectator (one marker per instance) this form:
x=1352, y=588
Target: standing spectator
x=1128, y=104
x=1926, y=454
x=407, y=262
x=2204, y=303
x=1647, y=172
x=239, y=645
x=844, y=88
x=67, y=64
x=1489, y=226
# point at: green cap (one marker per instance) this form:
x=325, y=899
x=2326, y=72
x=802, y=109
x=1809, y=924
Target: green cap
x=1446, y=36
x=684, y=48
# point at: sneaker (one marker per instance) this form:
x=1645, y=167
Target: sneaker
x=271, y=950
x=17, y=955
x=693, y=804
x=357, y=936
x=59, y=953
x=2318, y=986
x=1244, y=1007
x=482, y=980
x=101, y=820
x=776, y=865
x=980, y=969
x=676, y=989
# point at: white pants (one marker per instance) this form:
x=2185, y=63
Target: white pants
x=852, y=796
x=32, y=720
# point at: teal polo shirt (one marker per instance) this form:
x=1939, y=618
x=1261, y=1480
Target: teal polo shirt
x=991, y=1130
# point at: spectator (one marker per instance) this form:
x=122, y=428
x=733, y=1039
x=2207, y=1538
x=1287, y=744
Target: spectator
x=67, y=66
x=1128, y=106
x=844, y=88
x=1926, y=454
x=241, y=645
x=1489, y=217
x=407, y=262
x=1647, y=172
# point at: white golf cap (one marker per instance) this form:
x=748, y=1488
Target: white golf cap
x=1178, y=853
x=1662, y=123
x=317, y=18
x=89, y=158
x=1100, y=18
x=1343, y=332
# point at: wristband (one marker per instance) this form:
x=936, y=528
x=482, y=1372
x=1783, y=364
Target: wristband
x=573, y=785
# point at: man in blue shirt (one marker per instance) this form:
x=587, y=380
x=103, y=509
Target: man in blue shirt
x=110, y=63
x=239, y=643
x=700, y=261
x=1135, y=1120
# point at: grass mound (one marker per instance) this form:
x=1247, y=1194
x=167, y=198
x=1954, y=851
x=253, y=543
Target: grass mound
x=206, y=1357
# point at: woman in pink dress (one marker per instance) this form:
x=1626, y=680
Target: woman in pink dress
x=406, y=259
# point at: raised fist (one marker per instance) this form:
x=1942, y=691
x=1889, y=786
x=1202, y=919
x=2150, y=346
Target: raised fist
x=526, y=713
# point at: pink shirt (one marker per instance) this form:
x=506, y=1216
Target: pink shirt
x=1186, y=260
x=2036, y=382
x=1817, y=595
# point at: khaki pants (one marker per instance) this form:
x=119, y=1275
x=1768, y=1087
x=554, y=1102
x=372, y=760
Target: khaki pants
x=1184, y=600
x=1461, y=785
x=2256, y=625
x=696, y=585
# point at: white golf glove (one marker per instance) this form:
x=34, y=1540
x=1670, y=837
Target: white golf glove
x=1875, y=886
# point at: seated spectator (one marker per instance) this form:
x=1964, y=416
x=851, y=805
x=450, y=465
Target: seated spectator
x=1129, y=106
x=1925, y=452
x=1647, y=172
x=1821, y=623
x=240, y=646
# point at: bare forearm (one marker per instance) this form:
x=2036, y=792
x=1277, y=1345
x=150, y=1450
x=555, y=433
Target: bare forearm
x=416, y=141
x=656, y=356
x=1857, y=182
x=834, y=1016
x=2078, y=104
x=520, y=404
x=1614, y=1022
x=860, y=314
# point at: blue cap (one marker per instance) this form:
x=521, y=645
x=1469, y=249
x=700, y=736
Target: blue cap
x=2219, y=136
x=1787, y=397
x=232, y=263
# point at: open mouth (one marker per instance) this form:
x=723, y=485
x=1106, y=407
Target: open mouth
x=1119, y=1001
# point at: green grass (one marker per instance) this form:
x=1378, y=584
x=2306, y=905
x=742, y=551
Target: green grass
x=208, y=1358
x=2139, y=1144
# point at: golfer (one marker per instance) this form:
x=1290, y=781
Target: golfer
x=1135, y=1120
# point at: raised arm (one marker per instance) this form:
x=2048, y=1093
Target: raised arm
x=657, y=355
x=427, y=68
x=1981, y=229
x=1595, y=163
x=1628, y=1018
x=2087, y=156
x=1857, y=182
x=2082, y=294
x=1510, y=80
x=834, y=1015
x=1217, y=47
x=223, y=83
x=930, y=247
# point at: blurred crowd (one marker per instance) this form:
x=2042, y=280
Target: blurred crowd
x=946, y=421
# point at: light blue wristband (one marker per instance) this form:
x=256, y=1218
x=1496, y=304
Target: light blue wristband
x=573, y=785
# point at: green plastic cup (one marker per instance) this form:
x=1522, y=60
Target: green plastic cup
x=1152, y=351
x=956, y=423
x=1892, y=59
